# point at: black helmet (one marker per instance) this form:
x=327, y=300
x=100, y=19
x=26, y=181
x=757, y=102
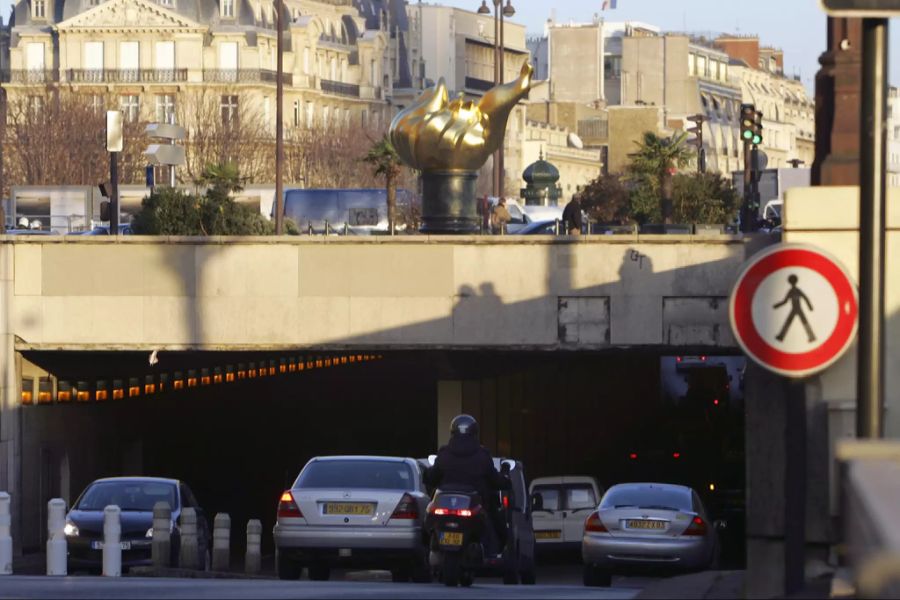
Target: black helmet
x=464, y=426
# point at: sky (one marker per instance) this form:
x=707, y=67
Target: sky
x=795, y=26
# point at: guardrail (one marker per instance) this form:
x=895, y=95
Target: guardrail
x=870, y=515
x=245, y=76
x=339, y=88
x=126, y=75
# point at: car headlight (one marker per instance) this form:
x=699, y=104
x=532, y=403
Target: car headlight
x=149, y=533
x=70, y=529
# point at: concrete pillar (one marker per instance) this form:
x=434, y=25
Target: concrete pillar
x=221, y=554
x=189, y=551
x=253, y=557
x=161, y=546
x=112, y=541
x=449, y=398
x=57, y=561
x=10, y=443
x=5, y=537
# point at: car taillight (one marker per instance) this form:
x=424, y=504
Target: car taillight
x=455, y=512
x=594, y=524
x=697, y=527
x=406, y=509
x=287, y=507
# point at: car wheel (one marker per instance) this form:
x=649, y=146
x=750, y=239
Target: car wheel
x=288, y=569
x=594, y=577
x=466, y=579
x=319, y=573
x=510, y=576
x=450, y=570
x=421, y=569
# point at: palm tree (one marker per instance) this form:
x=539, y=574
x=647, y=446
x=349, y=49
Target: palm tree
x=659, y=158
x=386, y=163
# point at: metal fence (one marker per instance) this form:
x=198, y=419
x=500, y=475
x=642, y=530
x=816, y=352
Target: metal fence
x=126, y=75
x=339, y=88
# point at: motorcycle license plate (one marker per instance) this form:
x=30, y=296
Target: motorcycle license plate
x=451, y=538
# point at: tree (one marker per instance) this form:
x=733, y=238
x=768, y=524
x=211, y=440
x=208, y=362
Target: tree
x=704, y=198
x=656, y=162
x=386, y=163
x=607, y=200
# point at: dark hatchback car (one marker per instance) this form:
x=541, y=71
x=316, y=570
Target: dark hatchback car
x=135, y=497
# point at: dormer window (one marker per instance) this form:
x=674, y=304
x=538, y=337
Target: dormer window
x=168, y=3
x=228, y=9
x=39, y=9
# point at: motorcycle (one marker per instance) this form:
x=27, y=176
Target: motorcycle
x=463, y=541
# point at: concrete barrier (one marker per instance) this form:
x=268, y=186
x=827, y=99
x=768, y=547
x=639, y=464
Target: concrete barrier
x=189, y=549
x=253, y=556
x=5, y=537
x=221, y=553
x=57, y=562
x=112, y=541
x=161, y=546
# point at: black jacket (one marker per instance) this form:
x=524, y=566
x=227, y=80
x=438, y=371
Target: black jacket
x=572, y=215
x=465, y=464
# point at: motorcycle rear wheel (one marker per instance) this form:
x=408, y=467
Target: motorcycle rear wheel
x=450, y=570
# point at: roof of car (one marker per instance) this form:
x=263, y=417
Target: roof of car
x=138, y=478
x=671, y=486
x=363, y=457
x=563, y=479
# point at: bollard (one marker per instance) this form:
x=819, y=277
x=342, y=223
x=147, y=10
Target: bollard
x=112, y=541
x=56, y=538
x=5, y=538
x=221, y=557
x=161, y=547
x=189, y=550
x=253, y=557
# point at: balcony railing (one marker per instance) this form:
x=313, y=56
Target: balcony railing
x=482, y=85
x=245, y=76
x=341, y=89
x=31, y=76
x=126, y=75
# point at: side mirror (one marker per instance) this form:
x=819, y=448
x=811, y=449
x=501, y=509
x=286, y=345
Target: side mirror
x=511, y=464
x=720, y=524
x=431, y=459
x=537, y=502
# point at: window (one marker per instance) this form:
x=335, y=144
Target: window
x=166, y=2
x=647, y=496
x=93, y=56
x=549, y=497
x=306, y=60
x=228, y=60
x=692, y=65
x=334, y=69
x=130, y=105
x=356, y=474
x=267, y=112
x=35, y=105
x=364, y=118
x=579, y=497
x=39, y=9
x=165, y=108
x=129, y=59
x=296, y=113
x=228, y=9
x=229, y=108
x=326, y=113
x=310, y=115
x=34, y=56
x=165, y=56
x=96, y=104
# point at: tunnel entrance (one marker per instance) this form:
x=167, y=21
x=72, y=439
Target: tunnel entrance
x=238, y=427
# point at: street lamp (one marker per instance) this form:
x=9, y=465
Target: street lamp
x=500, y=12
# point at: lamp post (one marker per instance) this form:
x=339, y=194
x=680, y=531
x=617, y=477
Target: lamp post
x=499, y=55
x=279, y=117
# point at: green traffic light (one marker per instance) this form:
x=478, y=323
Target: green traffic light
x=757, y=139
x=748, y=135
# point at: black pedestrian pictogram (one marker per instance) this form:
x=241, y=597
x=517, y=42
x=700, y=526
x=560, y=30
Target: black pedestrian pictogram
x=794, y=296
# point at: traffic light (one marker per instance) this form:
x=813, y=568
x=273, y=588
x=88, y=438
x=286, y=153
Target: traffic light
x=748, y=122
x=697, y=130
x=757, y=128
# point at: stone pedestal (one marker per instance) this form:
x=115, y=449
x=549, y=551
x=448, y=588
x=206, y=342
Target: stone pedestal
x=448, y=203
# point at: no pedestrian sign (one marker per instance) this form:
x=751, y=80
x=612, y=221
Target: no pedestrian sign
x=794, y=309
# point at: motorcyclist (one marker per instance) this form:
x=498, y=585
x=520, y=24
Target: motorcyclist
x=465, y=464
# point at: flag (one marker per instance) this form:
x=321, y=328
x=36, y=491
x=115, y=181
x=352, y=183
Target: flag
x=611, y=4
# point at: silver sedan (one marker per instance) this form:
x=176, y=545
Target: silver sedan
x=647, y=524
x=354, y=511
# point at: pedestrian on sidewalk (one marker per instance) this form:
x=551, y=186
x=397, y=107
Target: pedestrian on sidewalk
x=500, y=217
x=572, y=216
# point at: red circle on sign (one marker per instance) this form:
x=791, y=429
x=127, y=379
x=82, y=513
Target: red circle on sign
x=741, y=310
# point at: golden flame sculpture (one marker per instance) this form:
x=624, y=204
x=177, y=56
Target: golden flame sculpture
x=449, y=141
x=435, y=133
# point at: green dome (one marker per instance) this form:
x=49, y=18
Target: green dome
x=541, y=173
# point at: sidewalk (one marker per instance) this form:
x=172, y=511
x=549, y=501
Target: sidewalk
x=708, y=584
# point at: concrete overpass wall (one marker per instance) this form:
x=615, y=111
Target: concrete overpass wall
x=165, y=293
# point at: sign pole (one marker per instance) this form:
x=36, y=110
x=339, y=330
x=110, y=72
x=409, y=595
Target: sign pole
x=114, y=197
x=795, y=486
x=870, y=357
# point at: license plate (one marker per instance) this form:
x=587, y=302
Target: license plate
x=98, y=545
x=641, y=524
x=547, y=535
x=451, y=538
x=348, y=508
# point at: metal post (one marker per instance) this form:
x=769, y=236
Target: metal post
x=172, y=143
x=754, y=187
x=497, y=8
x=501, y=76
x=114, y=193
x=872, y=165
x=746, y=226
x=279, y=116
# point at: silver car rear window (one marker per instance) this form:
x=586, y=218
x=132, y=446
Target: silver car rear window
x=647, y=496
x=356, y=474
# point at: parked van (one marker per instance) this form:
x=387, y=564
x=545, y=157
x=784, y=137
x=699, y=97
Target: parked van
x=560, y=506
x=359, y=211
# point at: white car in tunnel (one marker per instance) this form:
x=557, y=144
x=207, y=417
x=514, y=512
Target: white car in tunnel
x=357, y=512
x=655, y=525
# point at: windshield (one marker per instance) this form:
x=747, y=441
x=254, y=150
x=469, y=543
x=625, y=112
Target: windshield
x=128, y=495
x=356, y=474
x=647, y=496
